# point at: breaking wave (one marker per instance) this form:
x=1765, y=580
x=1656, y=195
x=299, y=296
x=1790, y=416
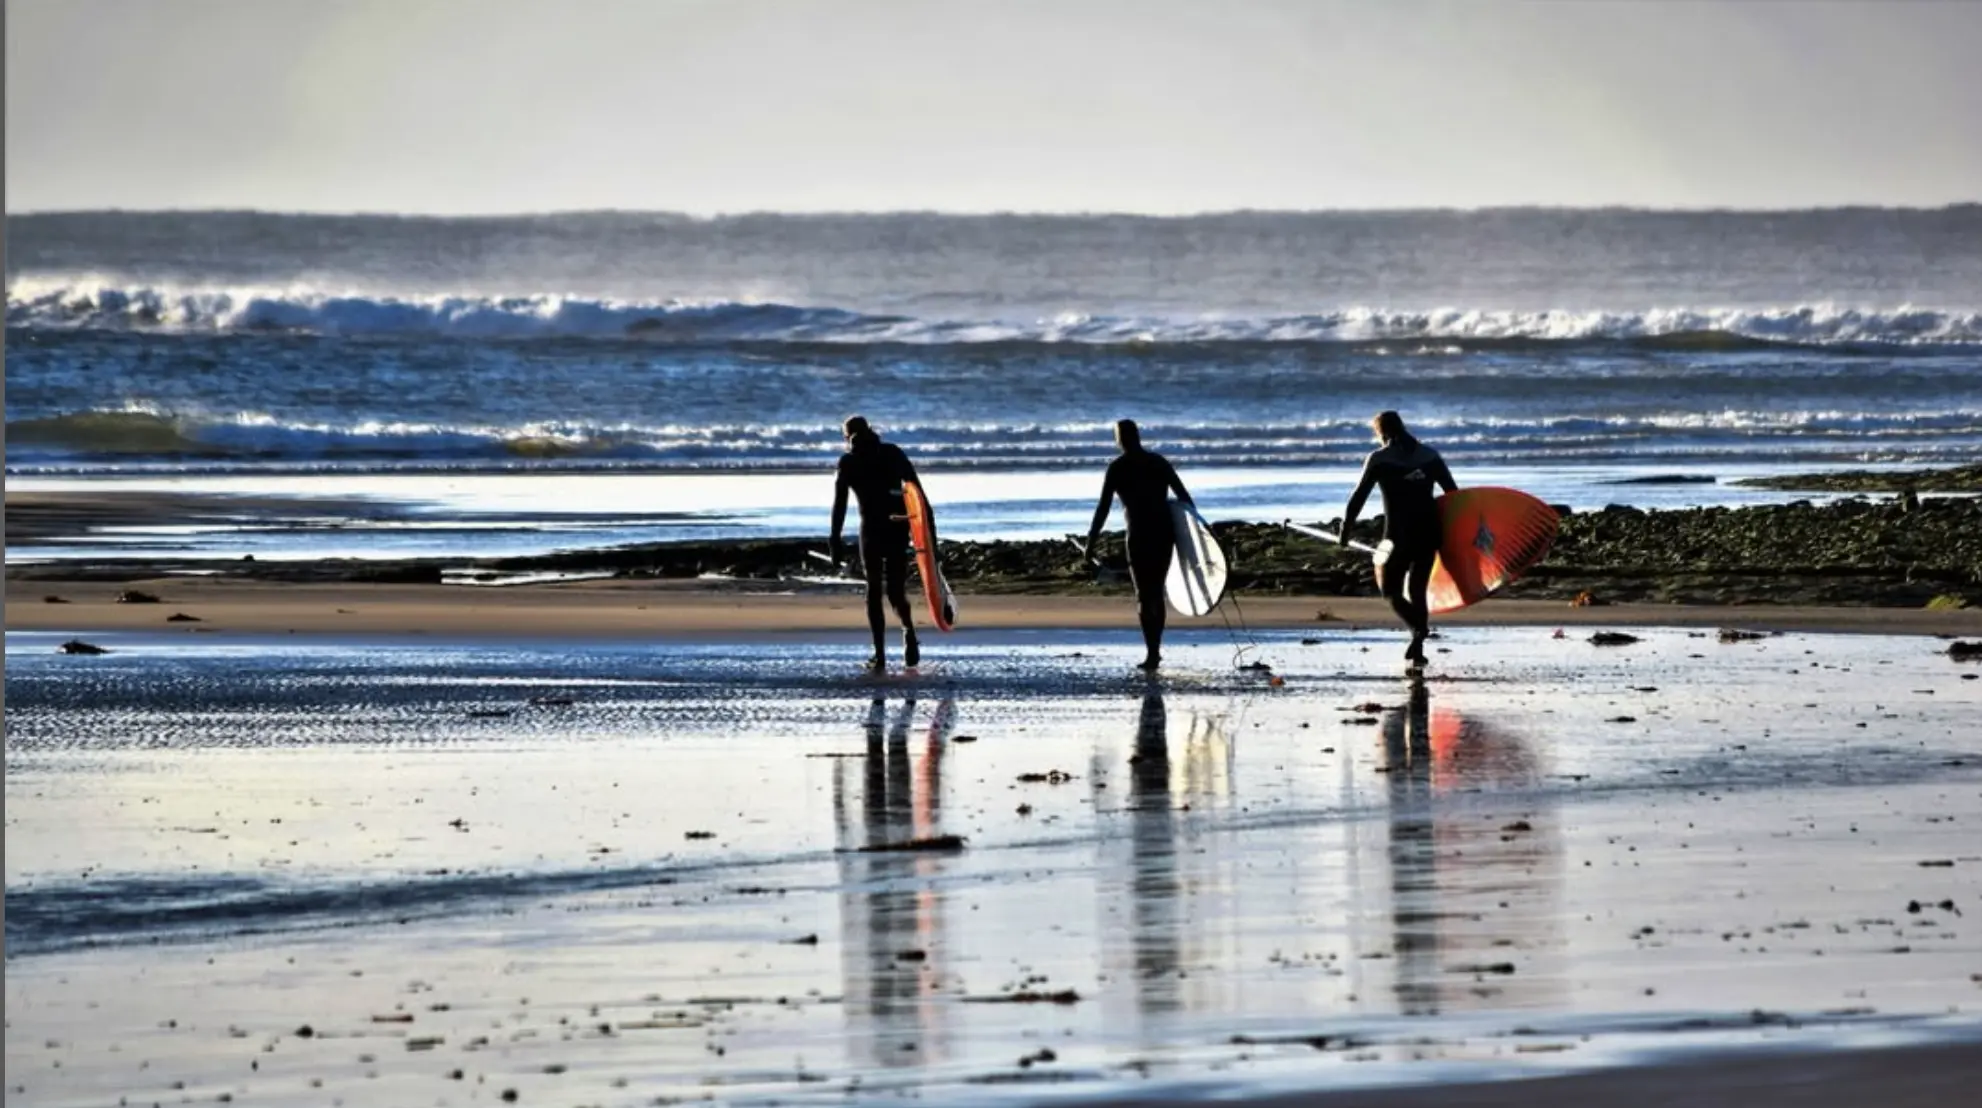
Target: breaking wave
x=82, y=305
x=101, y=440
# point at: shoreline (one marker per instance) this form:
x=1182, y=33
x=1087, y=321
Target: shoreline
x=1853, y=565
x=671, y=610
x=1893, y=551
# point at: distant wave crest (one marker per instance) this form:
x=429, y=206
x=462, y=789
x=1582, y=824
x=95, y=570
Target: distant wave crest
x=145, y=436
x=82, y=305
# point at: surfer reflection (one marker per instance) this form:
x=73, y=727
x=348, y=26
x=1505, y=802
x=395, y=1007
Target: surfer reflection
x=891, y=920
x=1410, y=475
x=1164, y=887
x=874, y=471
x=1471, y=887
x=1156, y=923
x=1142, y=479
x=1413, y=854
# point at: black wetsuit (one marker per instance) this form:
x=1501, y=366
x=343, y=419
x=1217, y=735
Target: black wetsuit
x=874, y=471
x=1143, y=480
x=1410, y=475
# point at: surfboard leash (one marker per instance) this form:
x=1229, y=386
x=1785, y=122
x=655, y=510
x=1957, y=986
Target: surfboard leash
x=1251, y=643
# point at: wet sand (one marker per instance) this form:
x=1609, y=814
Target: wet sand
x=292, y=870
x=622, y=609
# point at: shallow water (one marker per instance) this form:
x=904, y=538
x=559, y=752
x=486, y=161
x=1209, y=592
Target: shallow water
x=1553, y=855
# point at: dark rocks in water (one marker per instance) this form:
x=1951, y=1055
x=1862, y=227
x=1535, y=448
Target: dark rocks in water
x=1665, y=479
x=181, y=617
x=1730, y=634
x=1967, y=478
x=1612, y=638
x=1965, y=651
x=1851, y=553
x=395, y=574
x=78, y=646
x=136, y=596
x=51, y=598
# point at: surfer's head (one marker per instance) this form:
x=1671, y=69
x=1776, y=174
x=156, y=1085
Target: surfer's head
x=1127, y=435
x=857, y=430
x=1389, y=426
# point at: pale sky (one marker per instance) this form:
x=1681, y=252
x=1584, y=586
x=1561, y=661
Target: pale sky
x=1159, y=106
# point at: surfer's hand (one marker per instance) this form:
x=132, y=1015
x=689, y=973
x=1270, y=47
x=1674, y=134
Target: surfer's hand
x=833, y=550
x=1343, y=538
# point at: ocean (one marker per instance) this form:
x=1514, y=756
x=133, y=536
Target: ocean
x=545, y=381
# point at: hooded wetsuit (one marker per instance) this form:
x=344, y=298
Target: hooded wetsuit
x=1143, y=480
x=1410, y=475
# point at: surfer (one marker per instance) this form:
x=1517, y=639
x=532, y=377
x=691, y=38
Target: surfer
x=874, y=471
x=1142, y=479
x=1410, y=475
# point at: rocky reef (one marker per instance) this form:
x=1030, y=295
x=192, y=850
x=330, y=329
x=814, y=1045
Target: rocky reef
x=1900, y=552
x=1966, y=478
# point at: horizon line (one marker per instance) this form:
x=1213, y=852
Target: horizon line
x=1000, y=213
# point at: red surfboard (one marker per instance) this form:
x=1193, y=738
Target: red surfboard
x=1489, y=537
x=922, y=536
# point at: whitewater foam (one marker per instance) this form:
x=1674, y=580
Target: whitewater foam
x=204, y=440
x=90, y=304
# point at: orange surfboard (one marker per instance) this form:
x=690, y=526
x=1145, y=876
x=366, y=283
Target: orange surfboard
x=922, y=536
x=1489, y=537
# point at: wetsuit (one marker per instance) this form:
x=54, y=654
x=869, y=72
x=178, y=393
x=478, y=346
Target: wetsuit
x=1410, y=475
x=1143, y=479
x=874, y=471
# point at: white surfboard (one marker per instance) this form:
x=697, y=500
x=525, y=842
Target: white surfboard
x=1197, y=574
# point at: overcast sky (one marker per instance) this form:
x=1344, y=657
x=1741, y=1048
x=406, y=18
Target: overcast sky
x=458, y=106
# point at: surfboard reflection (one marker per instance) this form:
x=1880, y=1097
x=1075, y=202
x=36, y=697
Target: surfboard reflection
x=894, y=944
x=1472, y=886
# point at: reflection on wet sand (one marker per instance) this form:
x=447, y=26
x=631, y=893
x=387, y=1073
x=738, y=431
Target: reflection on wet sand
x=1155, y=929
x=1164, y=914
x=1472, y=890
x=893, y=948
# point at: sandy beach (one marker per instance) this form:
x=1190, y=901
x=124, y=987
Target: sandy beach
x=297, y=836
x=657, y=609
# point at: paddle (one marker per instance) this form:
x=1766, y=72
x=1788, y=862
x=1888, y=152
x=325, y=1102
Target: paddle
x=1331, y=537
x=839, y=569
